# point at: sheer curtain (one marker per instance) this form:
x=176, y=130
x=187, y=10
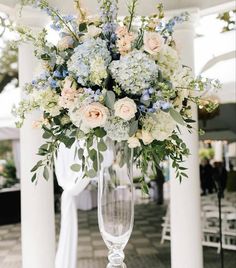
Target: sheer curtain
x=72, y=184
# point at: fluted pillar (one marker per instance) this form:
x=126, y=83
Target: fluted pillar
x=37, y=200
x=186, y=245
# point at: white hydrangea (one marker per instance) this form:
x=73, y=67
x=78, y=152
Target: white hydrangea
x=168, y=60
x=160, y=127
x=59, y=60
x=47, y=100
x=134, y=72
x=182, y=77
x=98, y=70
x=117, y=129
x=181, y=80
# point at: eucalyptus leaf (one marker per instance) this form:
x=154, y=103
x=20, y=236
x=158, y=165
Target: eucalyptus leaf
x=95, y=165
x=102, y=146
x=89, y=142
x=91, y=173
x=177, y=117
x=47, y=135
x=133, y=128
x=46, y=173
x=34, y=177
x=39, y=164
x=75, y=167
x=80, y=153
x=110, y=99
x=93, y=154
x=100, y=132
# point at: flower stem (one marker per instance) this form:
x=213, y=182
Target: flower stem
x=132, y=7
x=81, y=12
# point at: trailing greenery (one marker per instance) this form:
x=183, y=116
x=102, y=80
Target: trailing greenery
x=108, y=79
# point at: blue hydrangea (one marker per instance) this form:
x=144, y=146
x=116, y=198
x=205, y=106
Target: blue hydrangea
x=89, y=62
x=134, y=72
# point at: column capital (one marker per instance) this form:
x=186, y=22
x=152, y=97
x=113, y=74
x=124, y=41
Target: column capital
x=30, y=16
x=27, y=15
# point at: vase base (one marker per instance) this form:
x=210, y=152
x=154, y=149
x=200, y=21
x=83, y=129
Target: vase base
x=123, y=265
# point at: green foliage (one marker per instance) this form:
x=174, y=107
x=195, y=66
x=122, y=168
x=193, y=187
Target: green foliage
x=8, y=64
x=229, y=20
x=177, y=117
x=133, y=128
x=154, y=153
x=206, y=153
x=131, y=8
x=9, y=173
x=6, y=149
x=76, y=167
x=110, y=99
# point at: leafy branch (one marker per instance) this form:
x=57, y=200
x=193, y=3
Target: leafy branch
x=131, y=8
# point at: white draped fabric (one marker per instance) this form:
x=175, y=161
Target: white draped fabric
x=72, y=184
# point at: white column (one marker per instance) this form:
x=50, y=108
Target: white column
x=186, y=247
x=37, y=201
x=218, y=147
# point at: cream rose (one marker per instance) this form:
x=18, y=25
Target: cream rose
x=147, y=137
x=93, y=31
x=133, y=142
x=125, y=108
x=65, y=43
x=94, y=115
x=153, y=42
x=164, y=126
x=69, y=82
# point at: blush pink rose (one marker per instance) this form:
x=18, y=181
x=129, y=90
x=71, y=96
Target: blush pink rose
x=121, y=31
x=94, y=115
x=153, y=42
x=65, y=43
x=69, y=93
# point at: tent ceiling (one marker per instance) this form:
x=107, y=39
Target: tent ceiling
x=9, y=133
x=145, y=7
x=221, y=127
x=219, y=135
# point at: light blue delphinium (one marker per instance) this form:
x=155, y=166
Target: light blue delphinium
x=109, y=12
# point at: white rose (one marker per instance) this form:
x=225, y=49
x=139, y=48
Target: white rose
x=133, y=142
x=168, y=60
x=65, y=43
x=125, y=108
x=147, y=137
x=153, y=42
x=94, y=115
x=94, y=31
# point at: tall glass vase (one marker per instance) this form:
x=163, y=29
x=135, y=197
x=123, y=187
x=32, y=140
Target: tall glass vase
x=116, y=201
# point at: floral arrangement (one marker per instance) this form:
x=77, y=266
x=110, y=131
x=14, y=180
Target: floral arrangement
x=111, y=77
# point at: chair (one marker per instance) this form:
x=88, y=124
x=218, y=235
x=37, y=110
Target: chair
x=229, y=232
x=165, y=234
x=210, y=229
